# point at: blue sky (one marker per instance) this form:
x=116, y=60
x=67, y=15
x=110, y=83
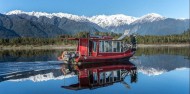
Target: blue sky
x=136, y=8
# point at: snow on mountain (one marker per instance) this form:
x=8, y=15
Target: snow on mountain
x=49, y=15
x=150, y=24
x=182, y=19
x=101, y=20
x=149, y=18
x=112, y=20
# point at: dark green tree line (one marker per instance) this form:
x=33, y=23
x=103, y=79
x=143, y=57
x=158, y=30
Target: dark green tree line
x=147, y=39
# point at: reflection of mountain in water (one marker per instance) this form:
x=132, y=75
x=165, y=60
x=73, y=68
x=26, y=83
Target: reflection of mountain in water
x=36, y=76
x=109, y=73
x=149, y=64
x=14, y=67
x=35, y=71
x=158, y=64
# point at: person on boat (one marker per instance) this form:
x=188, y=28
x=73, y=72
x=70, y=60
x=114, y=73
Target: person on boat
x=133, y=41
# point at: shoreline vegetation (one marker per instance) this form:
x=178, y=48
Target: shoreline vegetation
x=65, y=47
x=163, y=45
x=61, y=42
x=36, y=47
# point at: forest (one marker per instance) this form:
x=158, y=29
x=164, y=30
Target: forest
x=183, y=38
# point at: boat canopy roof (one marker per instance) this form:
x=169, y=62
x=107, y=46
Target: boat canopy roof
x=94, y=38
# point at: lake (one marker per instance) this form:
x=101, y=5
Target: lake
x=159, y=70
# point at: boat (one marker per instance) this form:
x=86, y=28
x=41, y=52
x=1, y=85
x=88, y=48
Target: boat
x=100, y=49
x=92, y=75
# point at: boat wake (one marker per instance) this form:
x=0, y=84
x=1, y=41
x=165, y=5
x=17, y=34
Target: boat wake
x=8, y=68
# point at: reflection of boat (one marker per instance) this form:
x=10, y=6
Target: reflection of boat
x=100, y=49
x=103, y=74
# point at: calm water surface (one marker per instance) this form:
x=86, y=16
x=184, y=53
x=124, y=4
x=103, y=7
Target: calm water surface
x=150, y=71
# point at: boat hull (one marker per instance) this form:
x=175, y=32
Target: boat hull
x=86, y=59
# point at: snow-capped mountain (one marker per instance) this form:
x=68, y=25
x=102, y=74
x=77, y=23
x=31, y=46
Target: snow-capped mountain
x=49, y=15
x=18, y=23
x=112, y=20
x=101, y=20
x=149, y=18
x=38, y=24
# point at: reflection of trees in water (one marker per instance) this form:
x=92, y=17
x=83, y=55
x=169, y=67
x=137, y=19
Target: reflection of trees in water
x=28, y=55
x=44, y=55
x=184, y=51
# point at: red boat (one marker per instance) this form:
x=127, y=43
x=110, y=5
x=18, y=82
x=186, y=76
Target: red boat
x=93, y=75
x=100, y=49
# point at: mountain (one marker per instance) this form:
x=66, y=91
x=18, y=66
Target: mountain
x=25, y=25
x=49, y=15
x=6, y=33
x=68, y=22
x=18, y=23
x=153, y=24
x=150, y=24
x=149, y=18
x=15, y=26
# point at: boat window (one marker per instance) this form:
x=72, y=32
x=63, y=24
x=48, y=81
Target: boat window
x=122, y=45
x=94, y=46
x=118, y=46
x=101, y=46
x=101, y=80
x=111, y=46
x=95, y=77
x=114, y=46
x=108, y=46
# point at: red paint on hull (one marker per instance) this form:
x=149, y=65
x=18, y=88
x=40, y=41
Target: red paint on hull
x=104, y=58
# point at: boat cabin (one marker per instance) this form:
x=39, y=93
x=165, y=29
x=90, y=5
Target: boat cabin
x=100, y=49
x=100, y=46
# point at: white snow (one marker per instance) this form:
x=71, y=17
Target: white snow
x=101, y=20
x=182, y=19
x=150, y=18
x=112, y=20
x=49, y=15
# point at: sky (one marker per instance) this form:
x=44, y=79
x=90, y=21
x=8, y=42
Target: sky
x=136, y=8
